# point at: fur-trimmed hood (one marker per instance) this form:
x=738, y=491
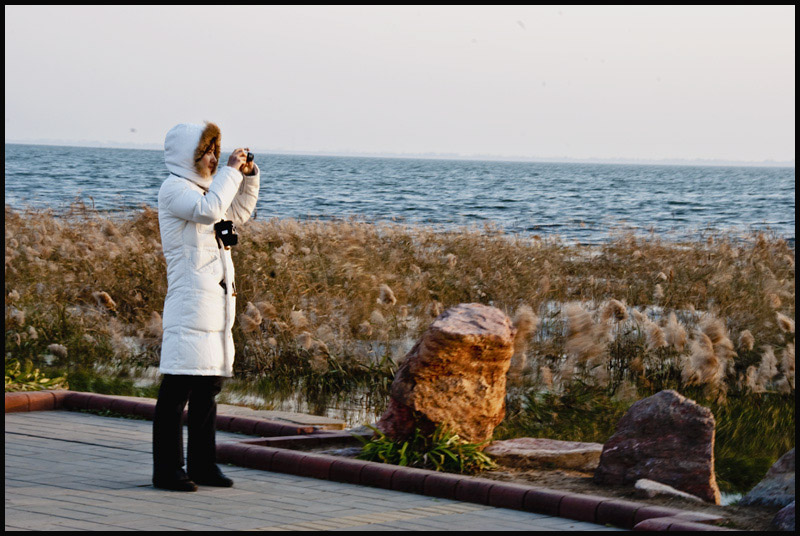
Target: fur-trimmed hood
x=185, y=144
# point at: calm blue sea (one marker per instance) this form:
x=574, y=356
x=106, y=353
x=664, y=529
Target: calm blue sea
x=578, y=202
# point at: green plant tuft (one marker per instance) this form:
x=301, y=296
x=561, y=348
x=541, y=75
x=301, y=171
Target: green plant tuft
x=24, y=377
x=443, y=451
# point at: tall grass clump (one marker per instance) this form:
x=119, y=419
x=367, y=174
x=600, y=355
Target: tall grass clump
x=443, y=450
x=329, y=308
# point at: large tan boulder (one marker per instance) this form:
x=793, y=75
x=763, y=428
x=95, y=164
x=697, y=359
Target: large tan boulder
x=667, y=438
x=455, y=375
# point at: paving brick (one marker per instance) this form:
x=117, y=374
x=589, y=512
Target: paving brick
x=689, y=526
x=144, y=409
x=543, y=501
x=377, y=474
x=618, y=513
x=507, y=495
x=580, y=507
x=242, y=425
x=442, y=485
x=286, y=461
x=316, y=466
x=124, y=406
x=16, y=402
x=409, y=480
x=41, y=401
x=648, y=512
x=259, y=458
x=474, y=490
x=654, y=524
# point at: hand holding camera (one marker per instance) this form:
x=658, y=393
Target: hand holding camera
x=242, y=159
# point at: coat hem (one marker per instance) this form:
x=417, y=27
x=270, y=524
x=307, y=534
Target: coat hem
x=194, y=372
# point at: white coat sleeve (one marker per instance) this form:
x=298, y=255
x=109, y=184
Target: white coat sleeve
x=245, y=200
x=189, y=204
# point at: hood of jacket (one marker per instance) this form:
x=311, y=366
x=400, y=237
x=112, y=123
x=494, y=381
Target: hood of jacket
x=185, y=145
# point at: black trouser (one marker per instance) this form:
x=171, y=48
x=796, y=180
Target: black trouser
x=173, y=394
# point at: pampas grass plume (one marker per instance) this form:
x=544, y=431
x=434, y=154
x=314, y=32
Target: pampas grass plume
x=702, y=366
x=547, y=376
x=304, y=340
x=253, y=312
x=365, y=328
x=58, y=350
x=298, y=319
x=640, y=317
x=787, y=363
x=266, y=309
x=785, y=323
x=746, y=340
x=616, y=310
x=658, y=293
x=655, y=336
x=525, y=322
x=154, y=326
x=386, y=295
x=17, y=315
x=675, y=333
x=584, y=340
x=249, y=324
x=377, y=318
x=105, y=300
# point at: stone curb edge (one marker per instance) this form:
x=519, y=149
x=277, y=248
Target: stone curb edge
x=63, y=399
x=255, y=455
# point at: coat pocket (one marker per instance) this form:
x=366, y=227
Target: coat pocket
x=206, y=261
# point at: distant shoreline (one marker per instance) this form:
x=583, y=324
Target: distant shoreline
x=676, y=162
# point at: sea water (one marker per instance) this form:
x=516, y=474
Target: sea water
x=578, y=202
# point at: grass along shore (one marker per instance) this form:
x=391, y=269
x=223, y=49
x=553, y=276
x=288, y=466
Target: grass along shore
x=328, y=309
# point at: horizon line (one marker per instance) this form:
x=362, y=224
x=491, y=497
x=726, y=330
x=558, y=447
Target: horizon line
x=437, y=156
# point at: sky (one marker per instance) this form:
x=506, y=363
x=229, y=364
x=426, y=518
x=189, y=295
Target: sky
x=575, y=82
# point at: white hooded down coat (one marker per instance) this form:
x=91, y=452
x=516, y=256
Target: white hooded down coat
x=198, y=312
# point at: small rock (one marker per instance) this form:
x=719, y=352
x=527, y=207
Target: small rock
x=530, y=452
x=667, y=438
x=651, y=488
x=777, y=487
x=347, y=452
x=784, y=520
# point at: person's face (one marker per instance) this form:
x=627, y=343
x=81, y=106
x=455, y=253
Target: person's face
x=208, y=161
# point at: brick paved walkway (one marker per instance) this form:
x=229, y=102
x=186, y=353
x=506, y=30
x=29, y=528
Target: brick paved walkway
x=74, y=471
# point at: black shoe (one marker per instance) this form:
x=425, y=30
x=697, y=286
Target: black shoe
x=174, y=484
x=214, y=477
x=175, y=481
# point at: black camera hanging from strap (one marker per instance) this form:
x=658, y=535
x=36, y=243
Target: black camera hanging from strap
x=226, y=233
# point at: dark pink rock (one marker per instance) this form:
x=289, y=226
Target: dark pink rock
x=777, y=487
x=455, y=375
x=667, y=438
x=784, y=519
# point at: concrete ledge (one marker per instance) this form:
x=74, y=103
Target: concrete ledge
x=272, y=453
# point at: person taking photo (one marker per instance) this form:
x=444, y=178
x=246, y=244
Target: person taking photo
x=198, y=209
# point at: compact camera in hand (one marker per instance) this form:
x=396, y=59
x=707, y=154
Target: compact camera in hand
x=226, y=233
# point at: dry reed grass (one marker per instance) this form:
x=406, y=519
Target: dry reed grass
x=319, y=295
